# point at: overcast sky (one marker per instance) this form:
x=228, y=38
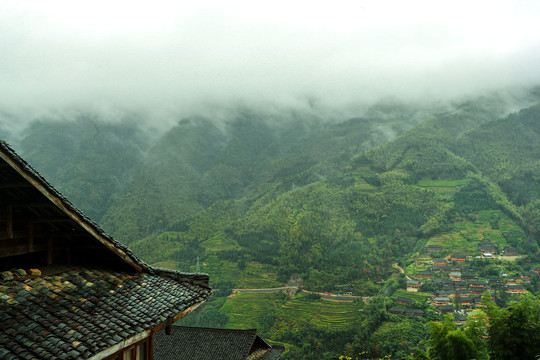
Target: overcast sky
x=190, y=55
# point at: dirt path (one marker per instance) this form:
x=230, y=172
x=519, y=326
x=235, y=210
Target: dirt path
x=395, y=265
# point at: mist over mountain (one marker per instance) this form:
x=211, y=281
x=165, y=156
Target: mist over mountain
x=329, y=148
x=260, y=197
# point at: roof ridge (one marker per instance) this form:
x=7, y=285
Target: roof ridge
x=218, y=329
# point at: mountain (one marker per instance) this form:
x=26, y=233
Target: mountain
x=258, y=201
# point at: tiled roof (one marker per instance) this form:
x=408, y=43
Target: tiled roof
x=208, y=343
x=78, y=313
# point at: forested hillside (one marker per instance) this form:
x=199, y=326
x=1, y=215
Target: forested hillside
x=331, y=207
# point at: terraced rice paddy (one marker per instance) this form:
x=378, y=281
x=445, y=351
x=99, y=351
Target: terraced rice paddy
x=299, y=311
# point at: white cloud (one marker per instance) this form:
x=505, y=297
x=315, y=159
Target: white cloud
x=181, y=55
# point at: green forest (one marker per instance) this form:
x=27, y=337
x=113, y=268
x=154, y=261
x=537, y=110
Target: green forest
x=365, y=222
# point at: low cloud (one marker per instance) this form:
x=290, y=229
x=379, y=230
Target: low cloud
x=168, y=59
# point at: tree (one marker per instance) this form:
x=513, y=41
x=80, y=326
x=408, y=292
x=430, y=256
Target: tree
x=448, y=342
x=514, y=332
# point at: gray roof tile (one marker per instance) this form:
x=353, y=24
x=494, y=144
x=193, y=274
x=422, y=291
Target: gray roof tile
x=41, y=326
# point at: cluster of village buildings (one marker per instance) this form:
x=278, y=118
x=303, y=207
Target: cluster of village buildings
x=459, y=290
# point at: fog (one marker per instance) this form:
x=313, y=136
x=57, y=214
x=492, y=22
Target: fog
x=174, y=59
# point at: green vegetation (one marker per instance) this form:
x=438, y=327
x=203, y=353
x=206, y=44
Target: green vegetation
x=512, y=333
x=262, y=202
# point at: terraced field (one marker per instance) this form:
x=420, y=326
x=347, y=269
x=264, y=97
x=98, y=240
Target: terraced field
x=254, y=276
x=443, y=187
x=301, y=311
x=416, y=296
x=486, y=225
x=246, y=311
x=297, y=312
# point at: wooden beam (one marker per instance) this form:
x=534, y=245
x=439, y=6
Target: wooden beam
x=9, y=222
x=21, y=249
x=21, y=235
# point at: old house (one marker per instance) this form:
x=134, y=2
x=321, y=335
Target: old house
x=70, y=291
x=424, y=275
x=466, y=275
x=445, y=309
x=455, y=276
x=516, y=289
x=476, y=284
x=413, y=285
x=466, y=301
x=486, y=247
x=441, y=300
x=479, y=290
x=406, y=311
x=209, y=343
x=460, y=319
x=440, y=262
x=459, y=258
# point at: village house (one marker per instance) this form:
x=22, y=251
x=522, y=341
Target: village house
x=486, y=247
x=210, y=343
x=424, y=275
x=406, y=311
x=445, y=309
x=70, y=291
x=413, y=285
x=516, y=289
x=466, y=275
x=476, y=284
x=479, y=290
x=441, y=300
x=455, y=276
x=347, y=290
x=477, y=301
x=467, y=301
x=460, y=319
x=528, y=275
x=440, y=262
x=459, y=258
